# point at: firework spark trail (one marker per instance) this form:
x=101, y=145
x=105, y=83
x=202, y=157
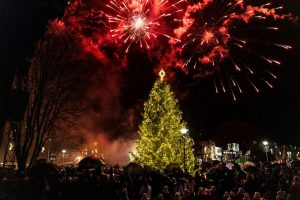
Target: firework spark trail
x=207, y=39
x=139, y=21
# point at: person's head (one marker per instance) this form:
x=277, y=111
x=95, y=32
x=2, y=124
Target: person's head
x=174, y=181
x=248, y=178
x=256, y=195
x=280, y=195
x=226, y=195
x=208, y=192
x=241, y=191
x=177, y=196
x=243, y=181
x=266, y=196
x=165, y=189
x=296, y=180
x=231, y=194
x=201, y=189
x=144, y=196
x=281, y=173
x=246, y=196
x=186, y=192
x=213, y=188
x=160, y=197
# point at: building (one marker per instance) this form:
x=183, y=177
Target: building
x=232, y=152
x=208, y=151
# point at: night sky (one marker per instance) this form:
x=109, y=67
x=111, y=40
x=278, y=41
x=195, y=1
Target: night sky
x=270, y=114
x=22, y=24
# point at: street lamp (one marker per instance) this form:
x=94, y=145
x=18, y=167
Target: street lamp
x=49, y=149
x=184, y=132
x=266, y=143
x=63, y=156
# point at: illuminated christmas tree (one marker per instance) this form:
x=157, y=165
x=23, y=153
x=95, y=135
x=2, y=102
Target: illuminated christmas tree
x=161, y=139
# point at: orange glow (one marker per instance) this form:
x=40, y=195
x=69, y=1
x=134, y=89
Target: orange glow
x=78, y=159
x=208, y=36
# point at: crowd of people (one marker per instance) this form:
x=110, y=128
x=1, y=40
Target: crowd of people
x=215, y=181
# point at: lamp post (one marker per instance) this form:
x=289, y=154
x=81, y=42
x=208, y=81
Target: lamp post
x=63, y=156
x=184, y=132
x=49, y=149
x=266, y=143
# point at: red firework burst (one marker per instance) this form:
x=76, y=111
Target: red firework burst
x=139, y=21
x=210, y=41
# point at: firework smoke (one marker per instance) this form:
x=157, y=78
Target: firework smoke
x=103, y=119
x=113, y=152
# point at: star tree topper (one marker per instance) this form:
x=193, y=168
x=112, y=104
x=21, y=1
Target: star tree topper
x=162, y=74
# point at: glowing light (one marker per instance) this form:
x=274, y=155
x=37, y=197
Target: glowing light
x=138, y=21
x=265, y=143
x=78, y=159
x=162, y=74
x=208, y=36
x=184, y=131
x=271, y=86
x=284, y=46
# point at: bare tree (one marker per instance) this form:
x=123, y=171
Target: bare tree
x=50, y=84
